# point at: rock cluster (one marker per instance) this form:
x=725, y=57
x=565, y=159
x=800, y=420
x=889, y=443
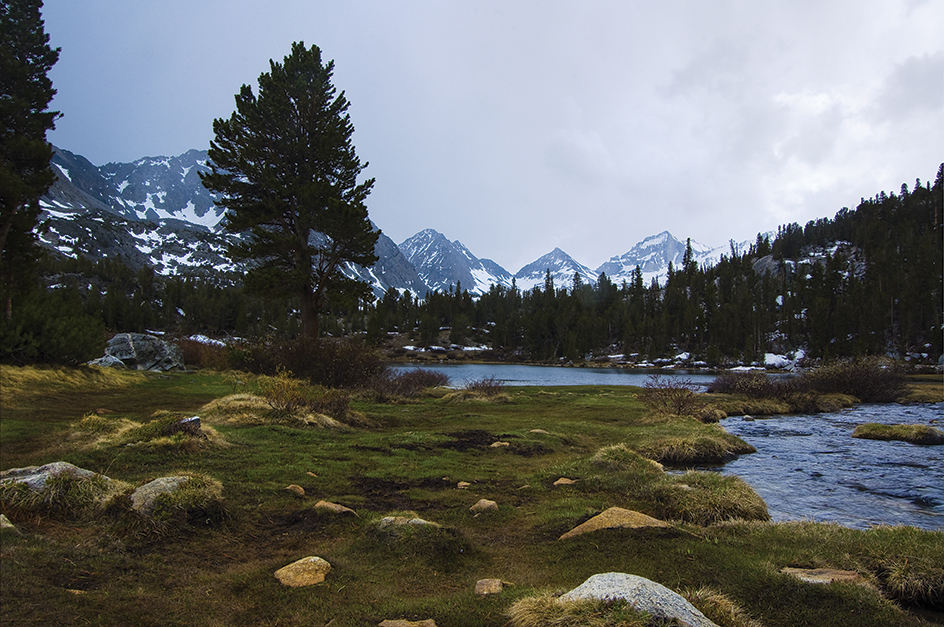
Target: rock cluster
x=139, y=351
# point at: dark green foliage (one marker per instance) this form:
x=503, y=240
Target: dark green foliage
x=25, y=93
x=286, y=171
x=51, y=327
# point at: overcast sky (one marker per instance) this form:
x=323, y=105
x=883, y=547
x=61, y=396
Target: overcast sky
x=520, y=126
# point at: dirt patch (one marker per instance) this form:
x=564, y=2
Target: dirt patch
x=385, y=495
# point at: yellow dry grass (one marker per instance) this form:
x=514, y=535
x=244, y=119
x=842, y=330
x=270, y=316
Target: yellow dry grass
x=22, y=383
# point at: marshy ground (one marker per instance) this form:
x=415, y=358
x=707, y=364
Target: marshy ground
x=434, y=456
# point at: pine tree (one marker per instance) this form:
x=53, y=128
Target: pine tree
x=25, y=61
x=287, y=171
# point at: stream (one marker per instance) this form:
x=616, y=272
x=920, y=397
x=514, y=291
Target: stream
x=809, y=467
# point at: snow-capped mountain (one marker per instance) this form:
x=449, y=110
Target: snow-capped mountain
x=442, y=264
x=156, y=212
x=562, y=267
x=653, y=256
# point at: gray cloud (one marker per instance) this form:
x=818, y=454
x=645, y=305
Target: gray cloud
x=520, y=126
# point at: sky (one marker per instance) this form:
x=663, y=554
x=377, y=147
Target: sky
x=520, y=126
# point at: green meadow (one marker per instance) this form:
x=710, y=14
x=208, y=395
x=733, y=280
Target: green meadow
x=433, y=456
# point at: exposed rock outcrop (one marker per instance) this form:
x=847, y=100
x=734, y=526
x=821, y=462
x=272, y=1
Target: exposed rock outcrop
x=139, y=351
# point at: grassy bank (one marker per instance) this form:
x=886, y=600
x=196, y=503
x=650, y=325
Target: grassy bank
x=432, y=457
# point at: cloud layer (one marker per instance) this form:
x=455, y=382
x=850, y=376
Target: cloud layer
x=522, y=126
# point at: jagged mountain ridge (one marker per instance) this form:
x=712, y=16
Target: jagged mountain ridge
x=442, y=264
x=155, y=211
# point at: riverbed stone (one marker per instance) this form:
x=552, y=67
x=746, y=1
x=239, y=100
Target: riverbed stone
x=615, y=518
x=644, y=595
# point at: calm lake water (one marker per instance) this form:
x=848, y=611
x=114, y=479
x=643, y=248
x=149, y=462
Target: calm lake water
x=807, y=467
x=511, y=374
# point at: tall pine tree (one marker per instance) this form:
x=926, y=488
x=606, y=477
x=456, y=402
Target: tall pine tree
x=286, y=170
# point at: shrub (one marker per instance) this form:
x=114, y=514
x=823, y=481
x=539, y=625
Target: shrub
x=330, y=363
x=405, y=383
x=672, y=396
x=869, y=380
x=749, y=383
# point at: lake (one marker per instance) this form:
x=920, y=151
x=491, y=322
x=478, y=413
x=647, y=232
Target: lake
x=807, y=467
x=514, y=374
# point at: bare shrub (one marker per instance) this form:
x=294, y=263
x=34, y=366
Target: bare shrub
x=486, y=386
x=869, y=380
x=405, y=383
x=671, y=396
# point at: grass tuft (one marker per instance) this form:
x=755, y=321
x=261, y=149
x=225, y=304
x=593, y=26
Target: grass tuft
x=915, y=434
x=720, y=609
x=705, y=498
x=550, y=611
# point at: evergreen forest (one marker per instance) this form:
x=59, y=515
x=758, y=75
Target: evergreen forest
x=866, y=282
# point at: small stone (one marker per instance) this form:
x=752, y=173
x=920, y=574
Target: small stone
x=304, y=572
x=564, y=481
x=311, y=474
x=484, y=505
x=499, y=444
x=429, y=622
x=488, y=586
x=462, y=485
x=296, y=489
x=334, y=508
x=541, y=431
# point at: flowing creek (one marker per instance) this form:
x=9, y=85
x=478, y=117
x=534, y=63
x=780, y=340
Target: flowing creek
x=807, y=467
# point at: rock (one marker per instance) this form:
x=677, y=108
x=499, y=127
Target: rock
x=541, y=431
x=304, y=572
x=488, y=586
x=429, y=622
x=142, y=499
x=499, y=444
x=6, y=525
x=392, y=522
x=823, y=575
x=139, y=351
x=615, y=518
x=484, y=505
x=35, y=477
x=564, y=481
x=642, y=594
x=296, y=489
x=462, y=485
x=333, y=508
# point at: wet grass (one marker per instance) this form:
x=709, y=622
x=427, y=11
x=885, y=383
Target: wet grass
x=71, y=569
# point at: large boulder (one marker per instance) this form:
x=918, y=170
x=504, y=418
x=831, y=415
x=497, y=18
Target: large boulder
x=139, y=351
x=35, y=477
x=642, y=594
